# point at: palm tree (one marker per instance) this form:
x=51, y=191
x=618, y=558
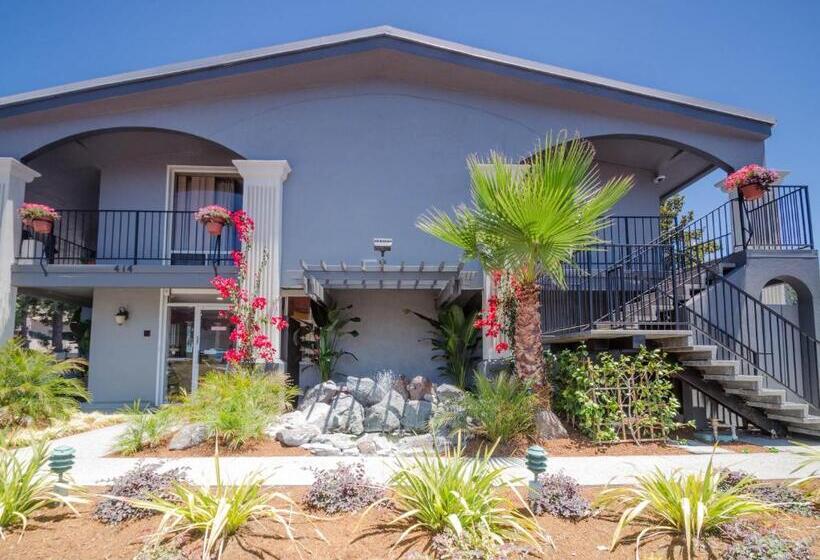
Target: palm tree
x=530, y=220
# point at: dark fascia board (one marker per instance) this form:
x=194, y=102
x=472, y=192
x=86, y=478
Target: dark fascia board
x=374, y=38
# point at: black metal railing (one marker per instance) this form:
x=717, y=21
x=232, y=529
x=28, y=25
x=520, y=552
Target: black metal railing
x=128, y=237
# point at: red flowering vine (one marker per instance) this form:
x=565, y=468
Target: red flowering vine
x=247, y=310
x=499, y=317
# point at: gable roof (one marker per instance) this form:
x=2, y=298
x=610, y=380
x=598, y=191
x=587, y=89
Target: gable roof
x=374, y=38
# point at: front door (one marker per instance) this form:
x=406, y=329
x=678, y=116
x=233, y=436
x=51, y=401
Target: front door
x=197, y=341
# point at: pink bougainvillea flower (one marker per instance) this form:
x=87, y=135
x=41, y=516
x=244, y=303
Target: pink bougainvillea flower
x=259, y=302
x=502, y=347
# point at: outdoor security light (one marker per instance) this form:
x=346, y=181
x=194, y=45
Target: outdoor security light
x=382, y=245
x=121, y=316
x=659, y=179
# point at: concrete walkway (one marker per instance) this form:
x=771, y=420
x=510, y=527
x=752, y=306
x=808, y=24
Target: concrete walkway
x=92, y=468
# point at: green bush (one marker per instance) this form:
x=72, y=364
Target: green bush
x=613, y=398
x=144, y=428
x=498, y=409
x=33, y=386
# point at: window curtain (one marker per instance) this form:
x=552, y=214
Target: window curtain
x=192, y=192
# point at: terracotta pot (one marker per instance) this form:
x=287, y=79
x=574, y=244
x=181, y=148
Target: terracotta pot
x=42, y=225
x=214, y=227
x=753, y=191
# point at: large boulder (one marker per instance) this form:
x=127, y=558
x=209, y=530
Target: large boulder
x=346, y=415
x=385, y=416
x=339, y=441
x=321, y=393
x=189, y=435
x=374, y=444
x=416, y=415
x=548, y=425
x=300, y=435
x=418, y=387
x=367, y=391
x=446, y=392
x=424, y=443
x=317, y=415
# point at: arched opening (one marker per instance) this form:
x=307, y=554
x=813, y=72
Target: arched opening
x=792, y=299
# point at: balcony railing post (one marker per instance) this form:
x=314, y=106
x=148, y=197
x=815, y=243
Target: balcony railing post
x=136, y=235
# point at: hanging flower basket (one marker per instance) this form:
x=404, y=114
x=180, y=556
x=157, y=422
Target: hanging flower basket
x=751, y=182
x=38, y=217
x=214, y=218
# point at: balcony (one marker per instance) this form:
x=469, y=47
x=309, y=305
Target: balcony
x=127, y=238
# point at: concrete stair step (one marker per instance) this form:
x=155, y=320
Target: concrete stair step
x=736, y=381
x=812, y=421
x=696, y=352
x=760, y=395
x=805, y=430
x=713, y=366
x=798, y=410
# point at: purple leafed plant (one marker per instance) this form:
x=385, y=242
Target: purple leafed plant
x=138, y=483
x=342, y=489
x=559, y=495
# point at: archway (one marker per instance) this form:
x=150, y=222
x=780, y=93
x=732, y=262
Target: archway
x=791, y=298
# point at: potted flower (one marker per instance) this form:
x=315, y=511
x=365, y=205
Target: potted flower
x=214, y=217
x=38, y=217
x=751, y=181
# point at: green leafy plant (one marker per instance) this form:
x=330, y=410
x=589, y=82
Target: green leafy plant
x=529, y=220
x=809, y=484
x=236, y=406
x=688, y=505
x=320, y=341
x=454, y=340
x=145, y=428
x=616, y=398
x=499, y=409
x=34, y=388
x=219, y=512
x=448, y=492
x=26, y=486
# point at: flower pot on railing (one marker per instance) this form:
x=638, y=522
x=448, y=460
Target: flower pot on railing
x=751, y=181
x=42, y=226
x=753, y=191
x=38, y=217
x=214, y=227
x=214, y=218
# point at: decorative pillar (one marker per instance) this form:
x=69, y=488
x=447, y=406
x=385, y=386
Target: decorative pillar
x=13, y=178
x=262, y=200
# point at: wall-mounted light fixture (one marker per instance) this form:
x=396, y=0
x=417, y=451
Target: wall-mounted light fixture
x=121, y=316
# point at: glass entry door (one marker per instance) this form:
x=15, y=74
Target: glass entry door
x=197, y=341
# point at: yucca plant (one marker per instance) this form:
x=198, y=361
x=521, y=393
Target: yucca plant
x=34, y=386
x=529, y=220
x=145, y=428
x=449, y=492
x=689, y=505
x=26, y=486
x=218, y=512
x=810, y=483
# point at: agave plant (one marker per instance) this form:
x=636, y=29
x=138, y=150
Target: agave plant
x=454, y=340
x=530, y=220
x=320, y=341
x=34, y=386
x=689, y=505
x=26, y=486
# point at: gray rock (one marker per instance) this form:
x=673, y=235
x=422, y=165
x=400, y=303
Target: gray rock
x=416, y=415
x=322, y=449
x=446, y=392
x=351, y=452
x=365, y=390
x=548, y=425
x=300, y=435
x=424, y=443
x=289, y=420
x=346, y=416
x=385, y=416
x=374, y=444
x=321, y=393
x=317, y=415
x=189, y=435
x=339, y=441
x=418, y=387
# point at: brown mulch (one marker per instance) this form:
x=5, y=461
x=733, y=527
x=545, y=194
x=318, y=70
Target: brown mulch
x=58, y=535
x=260, y=448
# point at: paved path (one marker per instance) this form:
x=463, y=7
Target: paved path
x=92, y=468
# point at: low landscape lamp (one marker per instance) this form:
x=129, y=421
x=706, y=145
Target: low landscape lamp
x=60, y=462
x=121, y=316
x=536, y=462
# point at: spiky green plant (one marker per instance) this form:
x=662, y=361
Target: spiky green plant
x=530, y=220
x=449, y=492
x=219, y=512
x=26, y=486
x=688, y=505
x=145, y=428
x=810, y=483
x=33, y=385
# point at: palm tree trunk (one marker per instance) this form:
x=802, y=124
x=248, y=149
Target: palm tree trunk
x=528, y=348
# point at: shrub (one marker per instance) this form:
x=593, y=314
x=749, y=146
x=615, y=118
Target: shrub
x=614, y=398
x=141, y=482
x=768, y=546
x=499, y=409
x=26, y=486
x=342, y=489
x=33, y=386
x=449, y=492
x=448, y=545
x=688, y=505
x=559, y=495
x=144, y=428
x=236, y=406
x=785, y=498
x=218, y=512
x=809, y=483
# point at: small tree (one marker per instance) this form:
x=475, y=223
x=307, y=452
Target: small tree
x=530, y=222
x=674, y=219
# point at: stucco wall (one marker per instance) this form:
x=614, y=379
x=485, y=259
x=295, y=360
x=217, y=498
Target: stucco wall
x=388, y=338
x=123, y=362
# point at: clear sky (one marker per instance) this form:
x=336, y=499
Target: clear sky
x=759, y=55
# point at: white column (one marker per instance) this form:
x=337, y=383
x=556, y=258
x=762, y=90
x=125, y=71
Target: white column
x=13, y=178
x=262, y=200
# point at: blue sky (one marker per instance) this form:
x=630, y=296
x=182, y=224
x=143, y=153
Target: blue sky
x=760, y=55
